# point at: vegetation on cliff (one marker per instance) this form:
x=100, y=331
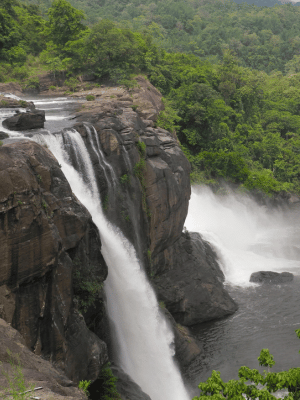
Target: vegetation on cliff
x=233, y=96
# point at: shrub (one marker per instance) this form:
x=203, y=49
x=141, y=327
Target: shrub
x=84, y=385
x=87, y=285
x=90, y=97
x=72, y=83
x=17, y=386
x=134, y=107
x=252, y=384
x=124, y=179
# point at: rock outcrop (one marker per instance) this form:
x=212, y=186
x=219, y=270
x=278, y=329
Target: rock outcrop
x=37, y=372
x=10, y=102
x=271, y=277
x=43, y=230
x=192, y=285
x=33, y=119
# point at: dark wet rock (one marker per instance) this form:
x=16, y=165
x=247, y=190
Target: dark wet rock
x=192, y=287
x=45, y=234
x=127, y=388
x=187, y=347
x=33, y=119
x=3, y=135
x=271, y=277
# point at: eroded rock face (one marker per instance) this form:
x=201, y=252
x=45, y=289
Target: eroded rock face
x=37, y=371
x=25, y=121
x=43, y=229
x=148, y=197
x=271, y=277
x=192, y=288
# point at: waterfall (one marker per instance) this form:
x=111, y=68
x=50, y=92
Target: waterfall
x=247, y=237
x=143, y=336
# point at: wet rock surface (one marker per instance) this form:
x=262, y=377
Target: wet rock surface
x=192, y=287
x=269, y=277
x=33, y=119
x=43, y=229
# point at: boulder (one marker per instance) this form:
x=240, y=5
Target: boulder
x=271, y=277
x=3, y=135
x=33, y=119
x=45, y=235
x=192, y=288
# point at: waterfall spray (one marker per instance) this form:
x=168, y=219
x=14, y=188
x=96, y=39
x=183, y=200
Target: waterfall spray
x=143, y=336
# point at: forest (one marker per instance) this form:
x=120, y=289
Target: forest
x=229, y=73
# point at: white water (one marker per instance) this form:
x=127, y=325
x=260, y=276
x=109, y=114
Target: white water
x=143, y=336
x=247, y=237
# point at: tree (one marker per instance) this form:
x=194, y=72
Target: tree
x=249, y=383
x=65, y=22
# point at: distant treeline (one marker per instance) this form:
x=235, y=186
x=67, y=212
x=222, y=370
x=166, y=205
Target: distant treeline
x=234, y=102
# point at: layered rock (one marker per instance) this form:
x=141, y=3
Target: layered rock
x=44, y=228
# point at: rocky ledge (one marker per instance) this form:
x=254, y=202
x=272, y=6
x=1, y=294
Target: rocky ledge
x=271, y=277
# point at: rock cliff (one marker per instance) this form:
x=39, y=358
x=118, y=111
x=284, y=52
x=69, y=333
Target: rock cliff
x=148, y=198
x=43, y=229
x=47, y=237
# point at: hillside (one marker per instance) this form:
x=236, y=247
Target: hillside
x=234, y=122
x=263, y=38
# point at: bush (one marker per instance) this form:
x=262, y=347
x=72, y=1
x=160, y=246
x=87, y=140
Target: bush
x=252, y=384
x=17, y=386
x=72, y=83
x=90, y=97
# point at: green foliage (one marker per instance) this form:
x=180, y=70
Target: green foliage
x=17, y=387
x=87, y=285
x=65, y=22
x=84, y=385
x=168, y=118
x=90, y=97
x=32, y=83
x=252, y=384
x=134, y=107
x=125, y=179
x=107, y=382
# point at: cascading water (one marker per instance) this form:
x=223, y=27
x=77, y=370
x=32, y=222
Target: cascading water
x=143, y=336
x=247, y=237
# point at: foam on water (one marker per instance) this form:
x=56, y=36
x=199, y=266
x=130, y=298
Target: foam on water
x=247, y=237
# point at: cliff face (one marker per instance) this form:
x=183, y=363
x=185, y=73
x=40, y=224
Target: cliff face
x=46, y=235
x=147, y=198
x=43, y=229
x=149, y=194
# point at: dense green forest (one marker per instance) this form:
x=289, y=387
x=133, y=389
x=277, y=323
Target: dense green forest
x=229, y=73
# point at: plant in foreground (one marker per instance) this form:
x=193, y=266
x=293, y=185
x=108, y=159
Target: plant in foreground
x=252, y=384
x=17, y=386
x=84, y=385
